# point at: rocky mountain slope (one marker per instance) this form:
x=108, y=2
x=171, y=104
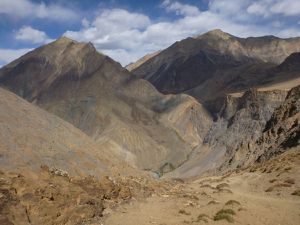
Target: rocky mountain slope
x=216, y=63
x=254, y=127
x=30, y=138
x=240, y=164
x=282, y=131
x=98, y=96
x=152, y=131
x=145, y=58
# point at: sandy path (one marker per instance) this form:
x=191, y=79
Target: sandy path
x=187, y=201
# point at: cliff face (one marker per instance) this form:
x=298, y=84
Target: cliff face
x=98, y=96
x=241, y=122
x=282, y=131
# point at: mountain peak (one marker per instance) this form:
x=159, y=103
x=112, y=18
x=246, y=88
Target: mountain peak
x=218, y=33
x=64, y=39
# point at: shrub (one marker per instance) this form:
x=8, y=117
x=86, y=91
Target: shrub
x=202, y=217
x=296, y=192
x=212, y=202
x=232, y=202
x=182, y=211
x=289, y=181
x=225, y=214
x=223, y=185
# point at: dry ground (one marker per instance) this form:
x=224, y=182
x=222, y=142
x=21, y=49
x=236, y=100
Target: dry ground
x=261, y=195
x=265, y=194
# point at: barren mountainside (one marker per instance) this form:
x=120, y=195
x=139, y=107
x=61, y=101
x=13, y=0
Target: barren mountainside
x=216, y=63
x=31, y=137
x=98, y=96
x=85, y=141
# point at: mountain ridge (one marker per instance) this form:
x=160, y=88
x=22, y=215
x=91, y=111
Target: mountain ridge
x=98, y=96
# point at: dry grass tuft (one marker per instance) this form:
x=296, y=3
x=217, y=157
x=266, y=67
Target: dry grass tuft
x=272, y=181
x=290, y=181
x=278, y=186
x=287, y=168
x=232, y=202
x=202, y=217
x=223, y=185
x=225, y=214
x=182, y=211
x=213, y=202
x=296, y=192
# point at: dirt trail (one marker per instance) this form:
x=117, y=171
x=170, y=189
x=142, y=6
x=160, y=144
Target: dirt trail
x=198, y=202
x=259, y=195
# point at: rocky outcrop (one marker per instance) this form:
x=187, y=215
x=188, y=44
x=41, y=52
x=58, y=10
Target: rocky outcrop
x=241, y=122
x=282, y=131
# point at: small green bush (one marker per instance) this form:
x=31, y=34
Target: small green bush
x=225, y=214
x=202, y=217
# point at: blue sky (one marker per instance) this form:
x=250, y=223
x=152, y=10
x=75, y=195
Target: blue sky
x=127, y=30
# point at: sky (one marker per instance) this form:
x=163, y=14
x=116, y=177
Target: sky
x=126, y=30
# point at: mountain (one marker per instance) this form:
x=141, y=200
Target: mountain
x=101, y=98
x=152, y=131
x=74, y=147
x=31, y=138
x=216, y=63
x=145, y=58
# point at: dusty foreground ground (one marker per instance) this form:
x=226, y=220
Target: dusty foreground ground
x=263, y=194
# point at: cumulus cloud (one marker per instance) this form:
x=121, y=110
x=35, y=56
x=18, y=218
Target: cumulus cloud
x=274, y=7
x=127, y=36
x=8, y=55
x=26, y=8
x=180, y=9
x=29, y=34
x=286, y=7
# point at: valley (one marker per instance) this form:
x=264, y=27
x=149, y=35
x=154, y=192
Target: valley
x=205, y=131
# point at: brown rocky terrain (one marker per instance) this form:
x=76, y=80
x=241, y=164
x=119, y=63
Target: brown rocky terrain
x=216, y=63
x=129, y=117
x=241, y=121
x=145, y=58
x=98, y=96
x=78, y=151
x=54, y=198
x=265, y=193
x=30, y=137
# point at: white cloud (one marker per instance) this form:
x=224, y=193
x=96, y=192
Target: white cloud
x=286, y=7
x=127, y=36
x=274, y=7
x=257, y=9
x=180, y=9
x=8, y=55
x=26, y=8
x=27, y=33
